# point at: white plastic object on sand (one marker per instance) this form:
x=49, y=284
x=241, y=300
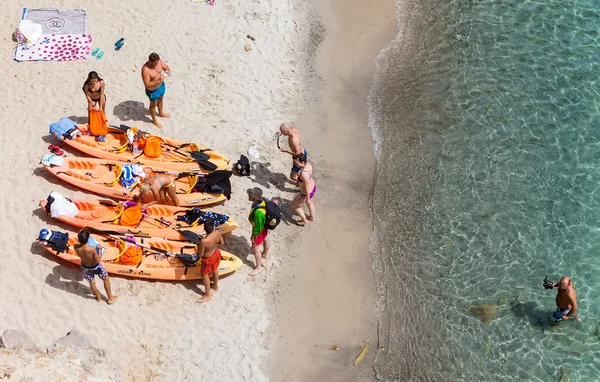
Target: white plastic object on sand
x=253, y=152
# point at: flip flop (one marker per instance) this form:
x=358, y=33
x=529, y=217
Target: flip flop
x=100, y=55
x=55, y=149
x=95, y=51
x=119, y=43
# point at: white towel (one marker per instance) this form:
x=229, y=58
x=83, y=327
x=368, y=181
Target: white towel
x=61, y=206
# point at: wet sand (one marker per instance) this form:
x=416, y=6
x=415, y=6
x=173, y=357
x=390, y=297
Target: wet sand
x=326, y=295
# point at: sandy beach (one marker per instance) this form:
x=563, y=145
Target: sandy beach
x=229, y=97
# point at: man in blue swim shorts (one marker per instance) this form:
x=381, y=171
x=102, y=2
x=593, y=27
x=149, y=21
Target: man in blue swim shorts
x=154, y=81
x=566, y=301
x=295, y=143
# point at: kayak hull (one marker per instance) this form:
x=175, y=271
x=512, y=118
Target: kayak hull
x=99, y=214
x=100, y=176
x=152, y=267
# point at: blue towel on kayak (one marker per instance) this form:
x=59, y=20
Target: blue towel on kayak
x=61, y=127
x=127, y=177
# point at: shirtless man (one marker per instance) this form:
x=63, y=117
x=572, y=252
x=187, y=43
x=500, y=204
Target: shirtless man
x=90, y=253
x=211, y=257
x=295, y=142
x=566, y=300
x=155, y=85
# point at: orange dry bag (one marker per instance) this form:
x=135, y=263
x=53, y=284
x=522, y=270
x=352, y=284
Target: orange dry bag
x=132, y=216
x=152, y=147
x=98, y=122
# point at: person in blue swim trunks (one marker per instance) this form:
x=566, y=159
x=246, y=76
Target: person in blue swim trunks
x=566, y=301
x=154, y=82
x=295, y=143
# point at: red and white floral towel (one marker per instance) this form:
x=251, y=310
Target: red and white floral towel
x=69, y=47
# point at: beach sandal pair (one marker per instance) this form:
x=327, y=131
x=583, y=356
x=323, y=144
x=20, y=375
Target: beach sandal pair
x=99, y=54
x=56, y=150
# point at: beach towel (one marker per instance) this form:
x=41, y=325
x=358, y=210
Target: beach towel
x=64, y=35
x=205, y=2
x=131, y=174
x=62, y=206
x=62, y=127
x=52, y=160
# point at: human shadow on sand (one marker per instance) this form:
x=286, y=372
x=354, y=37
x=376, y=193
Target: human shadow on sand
x=79, y=120
x=132, y=111
x=287, y=214
x=240, y=247
x=43, y=173
x=261, y=174
x=66, y=277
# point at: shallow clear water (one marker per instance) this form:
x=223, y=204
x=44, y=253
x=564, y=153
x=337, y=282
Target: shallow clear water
x=487, y=118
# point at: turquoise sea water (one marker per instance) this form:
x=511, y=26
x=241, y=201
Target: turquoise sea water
x=487, y=121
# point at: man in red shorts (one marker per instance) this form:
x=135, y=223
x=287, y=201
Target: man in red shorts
x=258, y=218
x=211, y=257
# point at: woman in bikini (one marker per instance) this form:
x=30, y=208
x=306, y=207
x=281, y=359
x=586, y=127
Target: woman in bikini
x=308, y=187
x=162, y=187
x=93, y=88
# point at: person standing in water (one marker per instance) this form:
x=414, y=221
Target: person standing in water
x=295, y=143
x=154, y=82
x=93, y=88
x=90, y=253
x=566, y=301
x=211, y=258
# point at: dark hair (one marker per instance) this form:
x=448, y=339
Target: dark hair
x=83, y=236
x=92, y=76
x=153, y=57
x=300, y=158
x=209, y=225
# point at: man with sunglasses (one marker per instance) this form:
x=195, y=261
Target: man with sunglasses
x=566, y=300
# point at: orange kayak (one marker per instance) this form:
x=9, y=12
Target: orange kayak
x=154, y=265
x=104, y=215
x=176, y=155
x=101, y=176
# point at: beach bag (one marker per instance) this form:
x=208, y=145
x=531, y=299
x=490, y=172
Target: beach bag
x=242, y=167
x=130, y=255
x=58, y=241
x=98, y=123
x=153, y=147
x=190, y=260
x=132, y=216
x=273, y=213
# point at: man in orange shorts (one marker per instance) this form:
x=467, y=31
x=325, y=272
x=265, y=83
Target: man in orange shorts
x=211, y=257
x=258, y=218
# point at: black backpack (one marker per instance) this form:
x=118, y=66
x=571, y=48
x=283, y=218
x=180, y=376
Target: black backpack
x=58, y=241
x=242, y=167
x=273, y=212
